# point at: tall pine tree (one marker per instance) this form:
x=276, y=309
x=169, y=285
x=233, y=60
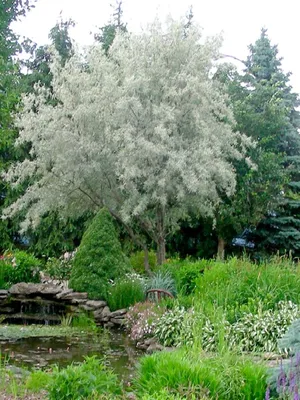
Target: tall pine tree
x=280, y=230
x=265, y=108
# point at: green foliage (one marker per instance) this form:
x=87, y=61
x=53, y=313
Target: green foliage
x=169, y=326
x=84, y=321
x=260, y=332
x=108, y=32
x=58, y=268
x=126, y=292
x=38, y=380
x=99, y=258
x=224, y=377
x=5, y=273
x=187, y=273
x=10, y=11
x=78, y=382
x=234, y=284
x=137, y=261
x=19, y=266
x=55, y=235
x=162, y=280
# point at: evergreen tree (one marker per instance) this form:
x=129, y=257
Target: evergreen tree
x=108, y=32
x=99, y=258
x=10, y=11
x=265, y=109
x=281, y=229
x=38, y=65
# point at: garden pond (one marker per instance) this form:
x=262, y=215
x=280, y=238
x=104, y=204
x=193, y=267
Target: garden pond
x=42, y=346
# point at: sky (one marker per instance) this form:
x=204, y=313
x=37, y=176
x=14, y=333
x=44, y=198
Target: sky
x=239, y=20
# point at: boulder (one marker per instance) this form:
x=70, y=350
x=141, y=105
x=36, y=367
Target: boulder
x=106, y=312
x=109, y=325
x=30, y=289
x=96, y=304
x=154, y=347
x=118, y=321
x=86, y=307
x=75, y=296
x=118, y=313
x=102, y=313
x=64, y=293
x=78, y=301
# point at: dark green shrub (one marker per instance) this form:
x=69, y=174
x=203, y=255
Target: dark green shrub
x=224, y=377
x=99, y=258
x=77, y=382
x=125, y=293
x=137, y=261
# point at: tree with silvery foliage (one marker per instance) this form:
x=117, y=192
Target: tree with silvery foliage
x=145, y=132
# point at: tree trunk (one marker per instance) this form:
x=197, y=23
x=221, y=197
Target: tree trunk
x=146, y=260
x=221, y=248
x=161, y=236
x=161, y=251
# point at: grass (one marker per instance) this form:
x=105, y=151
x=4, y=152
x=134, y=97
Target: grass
x=237, y=285
x=125, y=293
x=224, y=377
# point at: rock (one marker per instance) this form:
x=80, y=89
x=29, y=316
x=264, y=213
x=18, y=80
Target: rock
x=154, y=347
x=29, y=289
x=98, y=313
x=150, y=341
x=96, y=304
x=118, y=313
x=3, y=292
x=141, y=345
x=109, y=325
x=272, y=356
x=78, y=301
x=105, y=312
x=7, y=310
x=52, y=290
x=118, y=321
x=86, y=307
x=64, y=293
x=75, y=296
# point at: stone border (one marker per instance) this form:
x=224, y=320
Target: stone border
x=76, y=301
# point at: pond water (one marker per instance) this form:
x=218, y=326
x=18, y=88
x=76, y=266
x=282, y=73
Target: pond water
x=118, y=350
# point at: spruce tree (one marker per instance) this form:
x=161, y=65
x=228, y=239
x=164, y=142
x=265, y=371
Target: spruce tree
x=264, y=108
x=280, y=230
x=99, y=258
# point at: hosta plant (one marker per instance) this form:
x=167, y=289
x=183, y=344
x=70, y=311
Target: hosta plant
x=169, y=326
x=260, y=332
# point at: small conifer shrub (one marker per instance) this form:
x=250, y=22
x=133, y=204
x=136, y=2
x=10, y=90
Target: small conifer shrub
x=99, y=258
